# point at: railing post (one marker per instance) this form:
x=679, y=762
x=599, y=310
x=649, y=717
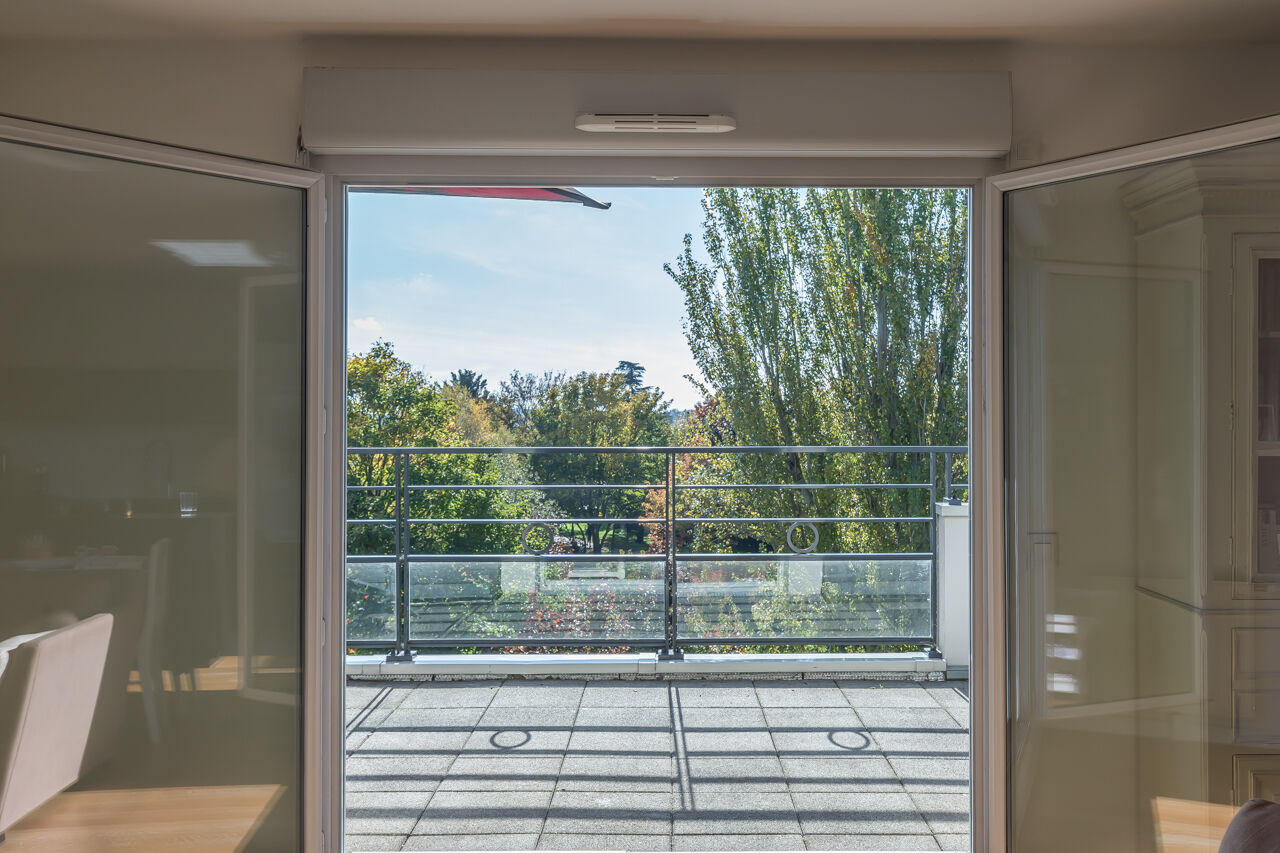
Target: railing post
x=934, y=652
x=402, y=652
x=670, y=650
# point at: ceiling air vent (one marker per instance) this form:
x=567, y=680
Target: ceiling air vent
x=655, y=123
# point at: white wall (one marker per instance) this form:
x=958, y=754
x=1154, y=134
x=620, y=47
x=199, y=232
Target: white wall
x=243, y=97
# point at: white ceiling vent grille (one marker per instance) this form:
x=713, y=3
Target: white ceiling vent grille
x=655, y=123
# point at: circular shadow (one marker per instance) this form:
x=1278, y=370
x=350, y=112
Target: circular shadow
x=527, y=736
x=839, y=735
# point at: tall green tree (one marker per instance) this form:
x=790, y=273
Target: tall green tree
x=633, y=373
x=834, y=317
x=598, y=410
x=471, y=382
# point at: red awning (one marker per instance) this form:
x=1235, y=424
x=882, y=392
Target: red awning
x=526, y=193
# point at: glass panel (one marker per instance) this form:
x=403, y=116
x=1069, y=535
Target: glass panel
x=792, y=597
x=550, y=600
x=151, y=482
x=1141, y=383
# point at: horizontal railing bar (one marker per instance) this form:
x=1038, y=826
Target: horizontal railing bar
x=551, y=521
x=478, y=643
x=806, y=641
x=636, y=558
x=527, y=487
x=781, y=448
x=351, y=488
x=690, y=486
x=831, y=520
x=884, y=555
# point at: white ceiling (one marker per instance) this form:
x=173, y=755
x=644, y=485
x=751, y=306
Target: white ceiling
x=1092, y=20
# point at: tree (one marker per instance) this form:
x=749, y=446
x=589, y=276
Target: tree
x=633, y=374
x=598, y=410
x=471, y=382
x=520, y=393
x=834, y=317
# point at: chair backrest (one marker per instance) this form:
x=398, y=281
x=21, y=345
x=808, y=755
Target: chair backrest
x=48, y=696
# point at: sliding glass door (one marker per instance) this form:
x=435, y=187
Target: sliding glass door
x=152, y=481
x=1142, y=397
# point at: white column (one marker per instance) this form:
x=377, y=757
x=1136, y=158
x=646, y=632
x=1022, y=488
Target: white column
x=953, y=587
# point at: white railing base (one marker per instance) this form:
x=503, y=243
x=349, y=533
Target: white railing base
x=891, y=666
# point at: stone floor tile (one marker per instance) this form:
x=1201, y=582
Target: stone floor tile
x=527, y=718
x=430, y=719
x=858, y=814
x=604, y=842
x=745, y=743
x=517, y=741
x=539, y=694
x=445, y=694
x=736, y=813
x=626, y=773
x=841, y=773
x=692, y=843
x=397, y=773
x=887, y=694
x=811, y=719
x=895, y=843
x=908, y=720
x=484, y=813
x=609, y=813
x=368, y=720
x=715, y=694
x=832, y=743
x=624, y=719
x=719, y=719
x=921, y=744
x=384, y=813
x=373, y=843
x=949, y=694
x=394, y=743
x=947, y=814
x=717, y=773
x=953, y=842
x=502, y=773
x=360, y=696
x=932, y=775
x=621, y=744
x=960, y=715
x=627, y=694
x=800, y=693
x=471, y=842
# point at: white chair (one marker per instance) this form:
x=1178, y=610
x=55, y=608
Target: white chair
x=48, y=696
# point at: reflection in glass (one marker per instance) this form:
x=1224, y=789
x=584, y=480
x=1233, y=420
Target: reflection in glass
x=150, y=504
x=1143, y=487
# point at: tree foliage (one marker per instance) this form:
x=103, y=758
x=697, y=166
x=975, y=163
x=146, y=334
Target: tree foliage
x=834, y=316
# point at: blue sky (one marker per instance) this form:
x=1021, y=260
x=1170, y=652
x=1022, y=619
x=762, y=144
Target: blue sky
x=495, y=285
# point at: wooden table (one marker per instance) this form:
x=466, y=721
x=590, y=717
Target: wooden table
x=216, y=819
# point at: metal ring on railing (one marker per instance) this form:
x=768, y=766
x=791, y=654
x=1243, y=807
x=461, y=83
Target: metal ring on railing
x=792, y=529
x=524, y=537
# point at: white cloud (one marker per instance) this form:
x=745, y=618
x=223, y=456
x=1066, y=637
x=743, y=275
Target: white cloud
x=368, y=325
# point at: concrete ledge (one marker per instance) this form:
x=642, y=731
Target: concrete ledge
x=898, y=666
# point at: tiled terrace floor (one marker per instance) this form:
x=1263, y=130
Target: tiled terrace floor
x=657, y=765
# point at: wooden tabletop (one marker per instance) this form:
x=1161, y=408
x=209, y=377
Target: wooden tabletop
x=216, y=819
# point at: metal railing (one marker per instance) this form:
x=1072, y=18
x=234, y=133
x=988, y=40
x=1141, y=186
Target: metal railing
x=479, y=573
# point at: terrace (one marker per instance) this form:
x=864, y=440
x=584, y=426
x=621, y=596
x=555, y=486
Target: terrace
x=754, y=660
x=813, y=764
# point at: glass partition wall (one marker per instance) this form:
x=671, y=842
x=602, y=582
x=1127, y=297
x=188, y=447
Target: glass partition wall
x=151, y=494
x=1142, y=399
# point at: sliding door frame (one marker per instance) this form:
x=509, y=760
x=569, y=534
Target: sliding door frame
x=990, y=711
x=350, y=171
x=321, y=747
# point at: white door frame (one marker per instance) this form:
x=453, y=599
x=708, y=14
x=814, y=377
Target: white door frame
x=347, y=171
x=322, y=607
x=987, y=455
